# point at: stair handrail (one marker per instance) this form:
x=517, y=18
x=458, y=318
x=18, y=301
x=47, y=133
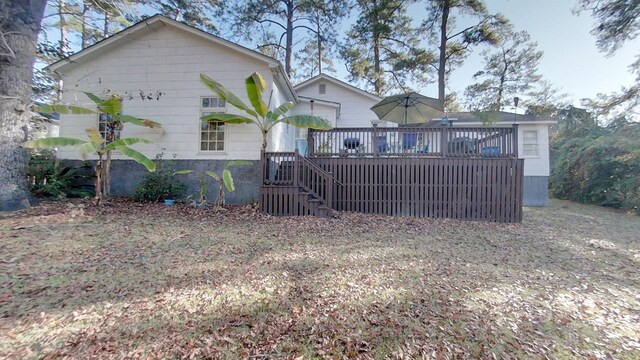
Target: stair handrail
x=328, y=178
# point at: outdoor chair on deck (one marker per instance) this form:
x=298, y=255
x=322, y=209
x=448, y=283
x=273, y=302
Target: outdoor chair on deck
x=409, y=142
x=381, y=144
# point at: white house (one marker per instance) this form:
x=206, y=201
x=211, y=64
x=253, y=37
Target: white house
x=156, y=65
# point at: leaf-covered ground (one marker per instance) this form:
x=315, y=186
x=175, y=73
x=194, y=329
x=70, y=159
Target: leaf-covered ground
x=152, y=281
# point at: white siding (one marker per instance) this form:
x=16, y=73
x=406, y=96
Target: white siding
x=169, y=60
x=354, y=107
x=535, y=165
x=282, y=136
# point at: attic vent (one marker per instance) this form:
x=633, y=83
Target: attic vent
x=322, y=89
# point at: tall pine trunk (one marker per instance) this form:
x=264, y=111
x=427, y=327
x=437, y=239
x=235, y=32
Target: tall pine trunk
x=19, y=25
x=289, y=44
x=442, y=61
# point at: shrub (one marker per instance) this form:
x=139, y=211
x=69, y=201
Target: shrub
x=159, y=185
x=49, y=179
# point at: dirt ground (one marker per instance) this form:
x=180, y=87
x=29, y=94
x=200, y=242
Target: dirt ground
x=154, y=281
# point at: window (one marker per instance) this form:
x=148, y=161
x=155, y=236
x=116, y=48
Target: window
x=530, y=143
x=212, y=133
x=106, y=126
x=322, y=88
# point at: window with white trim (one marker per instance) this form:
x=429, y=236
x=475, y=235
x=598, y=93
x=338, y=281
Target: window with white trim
x=106, y=126
x=530, y=143
x=212, y=133
x=322, y=88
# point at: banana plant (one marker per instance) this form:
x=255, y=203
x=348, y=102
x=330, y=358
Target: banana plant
x=113, y=125
x=97, y=145
x=225, y=181
x=259, y=113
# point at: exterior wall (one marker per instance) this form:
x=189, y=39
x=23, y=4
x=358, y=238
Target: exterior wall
x=535, y=165
x=282, y=137
x=126, y=174
x=168, y=60
x=536, y=190
x=354, y=107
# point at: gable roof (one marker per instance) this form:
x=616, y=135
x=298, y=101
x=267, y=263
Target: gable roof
x=158, y=21
x=335, y=81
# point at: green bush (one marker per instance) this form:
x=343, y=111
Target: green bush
x=49, y=179
x=597, y=164
x=159, y=185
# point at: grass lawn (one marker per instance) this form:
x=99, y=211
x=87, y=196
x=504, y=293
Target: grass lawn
x=154, y=281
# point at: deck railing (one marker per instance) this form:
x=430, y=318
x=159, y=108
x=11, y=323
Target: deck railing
x=443, y=141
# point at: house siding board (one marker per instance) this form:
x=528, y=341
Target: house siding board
x=538, y=165
x=354, y=107
x=282, y=135
x=146, y=63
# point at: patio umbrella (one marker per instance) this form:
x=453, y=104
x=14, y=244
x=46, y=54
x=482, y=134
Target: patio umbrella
x=409, y=108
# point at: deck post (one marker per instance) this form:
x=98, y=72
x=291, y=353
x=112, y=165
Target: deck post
x=515, y=140
x=444, y=140
x=375, y=140
x=330, y=192
x=296, y=169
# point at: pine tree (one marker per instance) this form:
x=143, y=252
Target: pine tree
x=454, y=43
x=510, y=71
x=277, y=25
x=383, y=49
x=19, y=26
x=197, y=13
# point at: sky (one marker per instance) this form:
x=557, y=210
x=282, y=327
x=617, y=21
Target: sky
x=571, y=59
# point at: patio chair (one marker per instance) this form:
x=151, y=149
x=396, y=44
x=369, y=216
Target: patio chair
x=381, y=143
x=409, y=141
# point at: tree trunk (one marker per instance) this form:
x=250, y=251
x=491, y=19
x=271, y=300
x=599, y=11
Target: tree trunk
x=63, y=29
x=106, y=187
x=442, y=61
x=84, y=43
x=105, y=30
x=98, y=181
x=319, y=44
x=376, y=66
x=19, y=26
x=220, y=200
x=289, y=45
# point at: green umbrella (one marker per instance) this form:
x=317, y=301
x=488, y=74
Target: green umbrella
x=409, y=108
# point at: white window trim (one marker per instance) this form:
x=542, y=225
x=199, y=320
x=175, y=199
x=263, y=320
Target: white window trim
x=199, y=150
x=530, y=156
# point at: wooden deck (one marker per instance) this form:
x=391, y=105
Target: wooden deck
x=449, y=181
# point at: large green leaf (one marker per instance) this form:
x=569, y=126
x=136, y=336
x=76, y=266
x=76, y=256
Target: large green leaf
x=228, y=118
x=138, y=157
x=238, y=163
x=212, y=174
x=63, y=109
x=228, y=180
x=93, y=98
x=307, y=121
x=140, y=122
x=54, y=142
x=126, y=142
x=225, y=94
x=281, y=110
x=256, y=85
x=112, y=106
x=91, y=147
